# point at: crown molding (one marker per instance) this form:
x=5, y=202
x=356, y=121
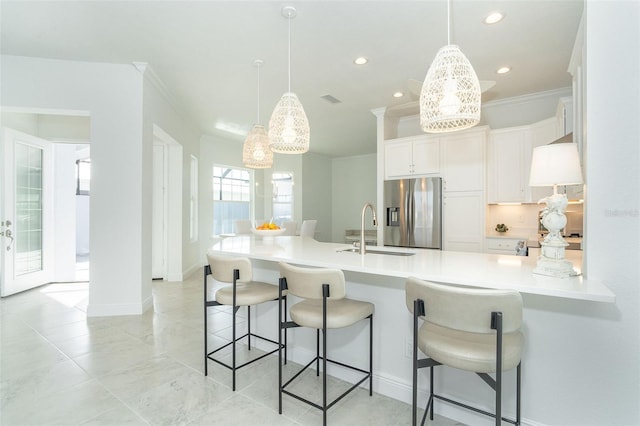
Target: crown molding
x=563, y=91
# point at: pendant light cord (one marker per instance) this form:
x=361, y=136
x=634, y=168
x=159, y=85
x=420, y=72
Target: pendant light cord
x=448, y=22
x=258, y=66
x=289, y=18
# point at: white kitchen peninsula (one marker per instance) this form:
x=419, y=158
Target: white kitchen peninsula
x=458, y=268
x=380, y=279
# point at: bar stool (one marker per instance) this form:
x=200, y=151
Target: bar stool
x=470, y=329
x=324, y=306
x=243, y=291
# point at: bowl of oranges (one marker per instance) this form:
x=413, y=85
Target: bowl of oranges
x=268, y=229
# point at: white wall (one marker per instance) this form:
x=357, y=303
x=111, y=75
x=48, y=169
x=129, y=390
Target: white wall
x=317, y=187
x=607, y=339
x=354, y=183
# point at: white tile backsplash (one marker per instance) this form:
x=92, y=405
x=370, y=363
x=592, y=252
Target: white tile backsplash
x=522, y=220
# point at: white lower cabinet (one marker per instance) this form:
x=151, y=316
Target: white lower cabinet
x=463, y=221
x=503, y=245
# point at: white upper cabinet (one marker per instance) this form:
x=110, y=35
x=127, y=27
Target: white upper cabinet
x=463, y=160
x=507, y=182
x=542, y=133
x=426, y=156
x=411, y=156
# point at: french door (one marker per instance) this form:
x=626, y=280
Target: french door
x=26, y=212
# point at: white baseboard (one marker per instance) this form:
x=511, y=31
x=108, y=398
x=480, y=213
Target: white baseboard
x=190, y=270
x=177, y=276
x=116, y=309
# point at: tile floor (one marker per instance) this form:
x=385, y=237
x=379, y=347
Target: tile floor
x=60, y=368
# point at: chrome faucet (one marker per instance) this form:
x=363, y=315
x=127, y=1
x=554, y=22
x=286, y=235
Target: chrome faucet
x=363, y=249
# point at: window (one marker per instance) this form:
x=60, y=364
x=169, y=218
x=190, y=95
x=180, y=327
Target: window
x=83, y=176
x=231, y=197
x=193, y=200
x=282, y=196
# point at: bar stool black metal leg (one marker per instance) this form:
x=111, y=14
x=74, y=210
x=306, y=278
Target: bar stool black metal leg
x=280, y=357
x=249, y=328
x=496, y=323
x=317, y=352
x=371, y=355
x=206, y=351
x=518, y=382
x=431, y=392
x=325, y=295
x=236, y=276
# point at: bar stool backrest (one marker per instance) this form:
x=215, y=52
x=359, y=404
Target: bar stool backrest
x=222, y=268
x=307, y=282
x=464, y=308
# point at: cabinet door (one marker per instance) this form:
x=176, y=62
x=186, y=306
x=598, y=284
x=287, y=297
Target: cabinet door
x=541, y=133
x=426, y=156
x=463, y=221
x=398, y=159
x=463, y=161
x=506, y=166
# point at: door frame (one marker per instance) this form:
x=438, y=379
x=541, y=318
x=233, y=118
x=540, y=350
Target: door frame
x=174, y=203
x=159, y=212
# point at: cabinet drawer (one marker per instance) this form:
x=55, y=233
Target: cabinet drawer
x=502, y=244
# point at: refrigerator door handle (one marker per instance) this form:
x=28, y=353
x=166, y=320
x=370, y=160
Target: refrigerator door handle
x=412, y=216
x=404, y=238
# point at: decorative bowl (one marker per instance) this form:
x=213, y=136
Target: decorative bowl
x=268, y=232
x=501, y=227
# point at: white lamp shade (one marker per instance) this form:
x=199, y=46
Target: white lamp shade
x=450, y=96
x=555, y=164
x=255, y=151
x=289, y=128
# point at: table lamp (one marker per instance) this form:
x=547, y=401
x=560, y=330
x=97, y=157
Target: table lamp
x=553, y=165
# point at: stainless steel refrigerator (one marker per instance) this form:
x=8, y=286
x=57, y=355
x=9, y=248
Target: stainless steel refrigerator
x=413, y=213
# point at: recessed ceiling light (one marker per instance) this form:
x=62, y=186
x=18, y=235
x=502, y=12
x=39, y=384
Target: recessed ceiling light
x=398, y=95
x=503, y=70
x=493, y=18
x=360, y=61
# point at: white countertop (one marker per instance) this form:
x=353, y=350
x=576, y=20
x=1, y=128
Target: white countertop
x=471, y=269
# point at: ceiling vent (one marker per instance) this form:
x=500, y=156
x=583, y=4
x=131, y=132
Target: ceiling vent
x=331, y=99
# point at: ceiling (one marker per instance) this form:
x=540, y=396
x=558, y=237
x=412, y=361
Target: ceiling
x=203, y=52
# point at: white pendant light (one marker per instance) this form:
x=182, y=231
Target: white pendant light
x=289, y=127
x=450, y=96
x=255, y=151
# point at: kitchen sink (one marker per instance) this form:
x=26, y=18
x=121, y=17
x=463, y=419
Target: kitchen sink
x=373, y=251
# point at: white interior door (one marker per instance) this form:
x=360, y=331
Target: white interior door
x=158, y=216
x=27, y=212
